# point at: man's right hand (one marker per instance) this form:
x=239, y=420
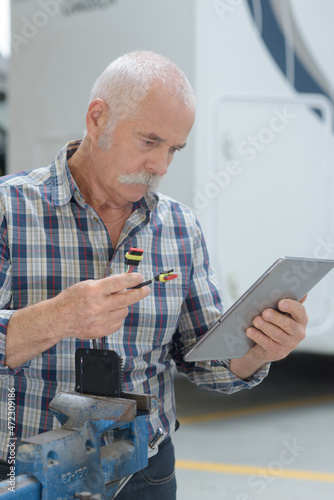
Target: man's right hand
x=87, y=310
x=97, y=308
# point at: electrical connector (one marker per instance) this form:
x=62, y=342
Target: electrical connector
x=162, y=277
x=133, y=257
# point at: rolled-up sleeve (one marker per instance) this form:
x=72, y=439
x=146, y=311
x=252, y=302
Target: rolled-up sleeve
x=201, y=309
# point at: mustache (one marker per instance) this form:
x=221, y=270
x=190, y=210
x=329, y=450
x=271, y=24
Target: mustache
x=152, y=181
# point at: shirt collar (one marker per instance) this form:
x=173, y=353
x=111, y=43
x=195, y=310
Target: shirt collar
x=64, y=185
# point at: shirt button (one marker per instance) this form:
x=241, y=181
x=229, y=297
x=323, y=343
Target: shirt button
x=110, y=270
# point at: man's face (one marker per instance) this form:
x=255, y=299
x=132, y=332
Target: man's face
x=141, y=149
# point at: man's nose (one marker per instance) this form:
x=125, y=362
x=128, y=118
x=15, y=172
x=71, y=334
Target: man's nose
x=158, y=162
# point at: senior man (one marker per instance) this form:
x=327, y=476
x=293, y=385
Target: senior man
x=65, y=230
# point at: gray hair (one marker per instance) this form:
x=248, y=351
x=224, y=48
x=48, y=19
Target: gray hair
x=128, y=79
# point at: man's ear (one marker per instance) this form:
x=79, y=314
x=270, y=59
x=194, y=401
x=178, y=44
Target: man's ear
x=97, y=117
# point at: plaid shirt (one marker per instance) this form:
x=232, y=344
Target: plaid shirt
x=50, y=239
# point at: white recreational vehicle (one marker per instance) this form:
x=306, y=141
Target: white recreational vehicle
x=258, y=170
x=3, y=112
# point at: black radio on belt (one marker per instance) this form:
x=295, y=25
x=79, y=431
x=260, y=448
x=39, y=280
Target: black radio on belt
x=99, y=372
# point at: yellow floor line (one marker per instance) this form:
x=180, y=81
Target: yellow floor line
x=288, y=405
x=252, y=470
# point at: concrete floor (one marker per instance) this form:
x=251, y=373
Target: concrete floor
x=273, y=442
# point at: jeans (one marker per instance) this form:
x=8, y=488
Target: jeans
x=4, y=470
x=156, y=482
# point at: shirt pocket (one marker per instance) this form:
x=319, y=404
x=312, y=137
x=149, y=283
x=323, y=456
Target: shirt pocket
x=153, y=320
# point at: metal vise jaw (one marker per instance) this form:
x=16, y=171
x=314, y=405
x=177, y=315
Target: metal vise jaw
x=70, y=462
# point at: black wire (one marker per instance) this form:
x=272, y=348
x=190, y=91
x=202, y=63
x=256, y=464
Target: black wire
x=144, y=284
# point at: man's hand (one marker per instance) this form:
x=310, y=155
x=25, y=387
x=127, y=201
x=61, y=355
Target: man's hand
x=87, y=310
x=275, y=334
x=97, y=308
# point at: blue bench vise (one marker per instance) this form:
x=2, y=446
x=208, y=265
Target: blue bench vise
x=103, y=441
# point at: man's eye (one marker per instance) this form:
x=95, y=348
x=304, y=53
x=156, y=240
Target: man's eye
x=148, y=143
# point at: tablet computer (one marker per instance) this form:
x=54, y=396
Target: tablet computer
x=287, y=278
